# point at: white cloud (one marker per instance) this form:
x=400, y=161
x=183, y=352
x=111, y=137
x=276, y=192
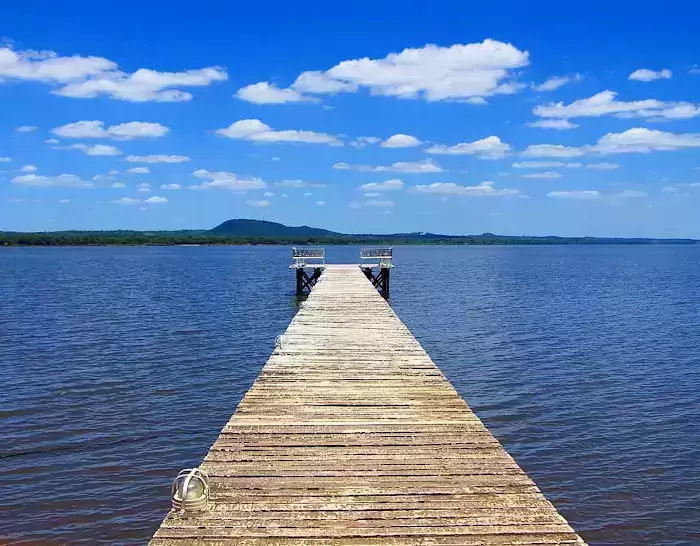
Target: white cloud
x=371, y=194
x=579, y=194
x=308, y=194
x=258, y=203
x=118, y=185
x=486, y=148
x=144, y=85
x=275, y=158
x=555, y=82
x=320, y=203
x=171, y=187
x=550, y=175
x=400, y=140
x=268, y=194
x=433, y=73
x=646, y=75
x=629, y=194
x=127, y=201
x=52, y=141
x=144, y=188
x=267, y=93
x=560, y=124
x=64, y=201
x=102, y=178
x=551, y=150
x=62, y=180
x=415, y=167
x=157, y=158
x=606, y=103
x=89, y=77
x=546, y=165
x=378, y=203
x=388, y=185
x=26, y=129
x=641, y=140
x=299, y=184
x=28, y=169
x=226, y=181
x=96, y=150
x=113, y=172
x=361, y=142
x=123, y=131
x=5, y=159
x=483, y=189
x=155, y=200
x=139, y=170
x=603, y=166
x=256, y=131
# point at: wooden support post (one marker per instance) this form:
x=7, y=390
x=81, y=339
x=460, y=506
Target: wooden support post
x=300, y=282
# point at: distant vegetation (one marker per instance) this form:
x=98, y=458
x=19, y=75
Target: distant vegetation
x=255, y=232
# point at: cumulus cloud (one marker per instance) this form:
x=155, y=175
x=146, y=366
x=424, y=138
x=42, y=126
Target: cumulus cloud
x=433, y=73
x=560, y=124
x=483, y=189
x=546, y=165
x=28, y=169
x=118, y=185
x=388, y=185
x=267, y=93
x=486, y=148
x=577, y=194
x=26, y=129
x=551, y=150
x=5, y=159
x=603, y=166
x=400, y=140
x=320, y=203
x=155, y=200
x=642, y=140
x=62, y=180
x=144, y=187
x=549, y=175
x=258, y=203
x=96, y=150
x=127, y=201
x=157, y=158
x=88, y=77
x=606, y=103
x=226, y=181
x=593, y=195
x=298, y=184
x=361, y=142
x=123, y=131
x=139, y=170
x=257, y=131
x=555, y=82
x=646, y=75
x=171, y=187
x=416, y=167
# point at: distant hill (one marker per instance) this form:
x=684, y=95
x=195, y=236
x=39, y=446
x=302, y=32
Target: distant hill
x=261, y=228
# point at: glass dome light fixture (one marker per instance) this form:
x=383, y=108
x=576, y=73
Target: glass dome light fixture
x=190, y=490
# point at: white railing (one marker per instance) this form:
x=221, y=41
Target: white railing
x=382, y=256
x=310, y=257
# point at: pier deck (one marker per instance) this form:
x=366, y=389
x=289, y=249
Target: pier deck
x=352, y=435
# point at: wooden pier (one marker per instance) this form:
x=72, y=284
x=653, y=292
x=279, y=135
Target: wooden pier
x=351, y=435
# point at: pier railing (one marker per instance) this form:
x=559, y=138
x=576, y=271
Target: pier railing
x=308, y=257
x=381, y=256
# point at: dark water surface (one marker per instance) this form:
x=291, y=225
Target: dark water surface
x=119, y=367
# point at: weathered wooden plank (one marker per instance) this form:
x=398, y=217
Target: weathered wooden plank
x=351, y=435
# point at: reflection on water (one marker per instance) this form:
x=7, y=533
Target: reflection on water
x=120, y=366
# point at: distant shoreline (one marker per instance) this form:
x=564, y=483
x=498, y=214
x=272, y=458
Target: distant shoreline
x=17, y=240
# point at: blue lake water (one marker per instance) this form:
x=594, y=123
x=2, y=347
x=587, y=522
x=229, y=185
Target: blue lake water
x=119, y=367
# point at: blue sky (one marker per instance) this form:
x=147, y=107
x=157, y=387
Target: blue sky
x=365, y=117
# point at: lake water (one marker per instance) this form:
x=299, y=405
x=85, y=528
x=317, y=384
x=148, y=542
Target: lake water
x=119, y=367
